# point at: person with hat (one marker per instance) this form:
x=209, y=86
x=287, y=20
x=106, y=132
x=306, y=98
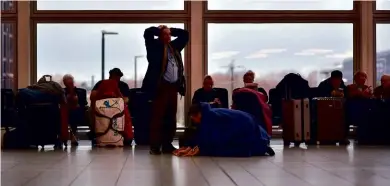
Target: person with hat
x=115, y=74
x=109, y=85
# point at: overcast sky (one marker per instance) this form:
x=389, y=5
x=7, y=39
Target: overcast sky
x=264, y=48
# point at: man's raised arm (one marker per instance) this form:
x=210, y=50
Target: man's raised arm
x=182, y=38
x=149, y=35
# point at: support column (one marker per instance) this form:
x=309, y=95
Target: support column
x=366, y=47
x=196, y=45
x=23, y=43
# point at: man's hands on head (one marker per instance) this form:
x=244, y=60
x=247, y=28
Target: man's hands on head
x=162, y=26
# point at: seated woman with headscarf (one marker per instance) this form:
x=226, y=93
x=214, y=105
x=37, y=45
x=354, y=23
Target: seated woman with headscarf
x=359, y=89
x=225, y=133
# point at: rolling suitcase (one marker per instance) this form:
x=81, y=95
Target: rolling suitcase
x=374, y=125
x=296, y=121
x=140, y=107
x=39, y=115
x=328, y=120
x=44, y=124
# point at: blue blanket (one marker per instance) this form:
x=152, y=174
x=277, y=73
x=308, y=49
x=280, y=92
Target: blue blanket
x=230, y=133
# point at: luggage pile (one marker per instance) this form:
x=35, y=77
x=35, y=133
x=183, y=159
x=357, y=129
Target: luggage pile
x=110, y=122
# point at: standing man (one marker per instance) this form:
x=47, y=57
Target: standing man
x=163, y=80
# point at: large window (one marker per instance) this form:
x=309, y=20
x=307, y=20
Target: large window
x=7, y=5
x=383, y=50
x=111, y=5
x=76, y=49
x=383, y=4
x=280, y=5
x=7, y=55
x=273, y=50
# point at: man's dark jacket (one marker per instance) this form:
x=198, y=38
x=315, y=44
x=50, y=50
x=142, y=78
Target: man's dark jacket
x=325, y=88
x=157, y=58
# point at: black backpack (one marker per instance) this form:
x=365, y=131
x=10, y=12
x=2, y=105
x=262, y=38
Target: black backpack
x=293, y=86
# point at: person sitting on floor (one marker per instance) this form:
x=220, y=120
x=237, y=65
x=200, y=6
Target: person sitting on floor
x=207, y=93
x=77, y=104
x=226, y=133
x=333, y=86
x=383, y=91
x=359, y=89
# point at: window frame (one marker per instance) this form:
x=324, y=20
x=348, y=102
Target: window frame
x=257, y=13
x=118, y=14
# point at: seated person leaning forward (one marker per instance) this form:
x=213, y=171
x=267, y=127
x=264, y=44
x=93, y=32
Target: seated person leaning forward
x=333, y=86
x=383, y=91
x=359, y=89
x=207, y=94
x=112, y=87
x=225, y=133
x=77, y=104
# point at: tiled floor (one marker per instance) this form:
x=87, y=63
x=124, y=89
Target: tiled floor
x=316, y=166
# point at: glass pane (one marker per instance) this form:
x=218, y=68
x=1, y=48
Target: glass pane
x=383, y=50
x=383, y=4
x=76, y=49
x=7, y=56
x=312, y=50
x=7, y=5
x=280, y=5
x=111, y=5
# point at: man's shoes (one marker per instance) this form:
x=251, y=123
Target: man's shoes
x=155, y=151
x=168, y=149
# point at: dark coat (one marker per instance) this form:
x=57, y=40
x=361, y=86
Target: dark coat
x=157, y=59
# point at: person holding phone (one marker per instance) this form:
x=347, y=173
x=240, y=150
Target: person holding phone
x=207, y=94
x=359, y=89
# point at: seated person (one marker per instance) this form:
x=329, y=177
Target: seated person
x=207, y=94
x=333, y=86
x=77, y=104
x=383, y=91
x=249, y=78
x=115, y=76
x=225, y=132
x=109, y=89
x=359, y=89
x=253, y=102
